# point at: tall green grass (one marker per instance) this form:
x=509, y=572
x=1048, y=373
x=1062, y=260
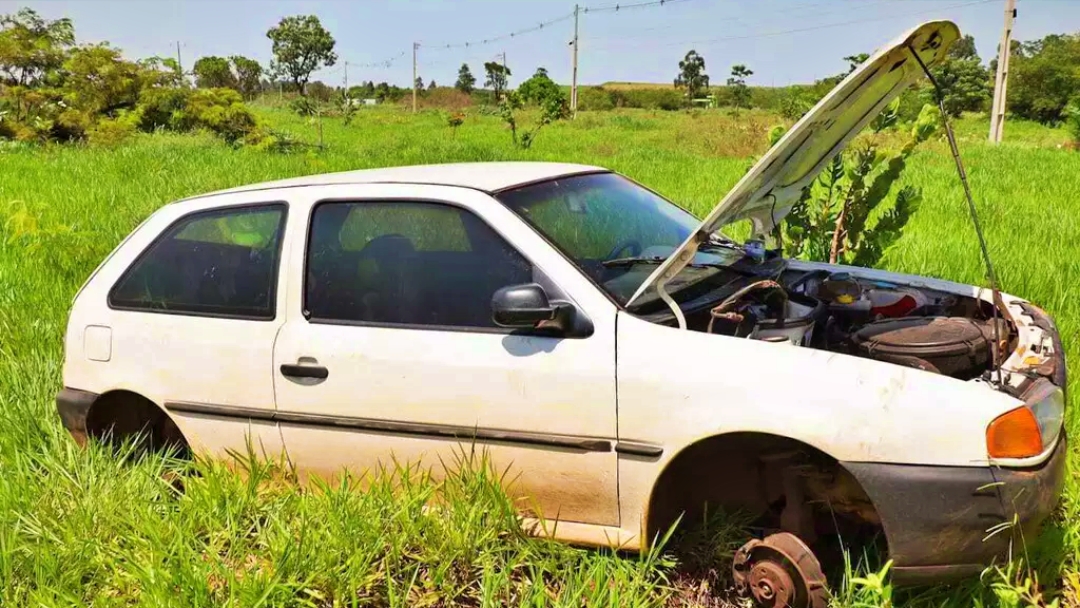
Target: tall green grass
x=83, y=527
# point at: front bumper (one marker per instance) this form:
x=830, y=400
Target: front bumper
x=937, y=519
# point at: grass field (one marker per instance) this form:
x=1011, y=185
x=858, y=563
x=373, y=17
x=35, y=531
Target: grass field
x=81, y=527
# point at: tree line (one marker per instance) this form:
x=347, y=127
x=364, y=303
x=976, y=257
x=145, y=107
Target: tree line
x=1044, y=81
x=54, y=88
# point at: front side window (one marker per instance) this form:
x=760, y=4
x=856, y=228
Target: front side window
x=222, y=262
x=603, y=222
x=406, y=263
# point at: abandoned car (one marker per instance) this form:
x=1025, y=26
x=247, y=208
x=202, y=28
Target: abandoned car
x=628, y=362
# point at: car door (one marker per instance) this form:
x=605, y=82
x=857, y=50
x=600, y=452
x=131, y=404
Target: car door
x=389, y=351
x=190, y=321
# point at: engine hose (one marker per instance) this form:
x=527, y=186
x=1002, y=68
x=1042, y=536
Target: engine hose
x=723, y=309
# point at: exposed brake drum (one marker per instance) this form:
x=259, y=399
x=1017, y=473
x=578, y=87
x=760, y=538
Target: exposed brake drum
x=780, y=572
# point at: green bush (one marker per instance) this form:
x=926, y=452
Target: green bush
x=649, y=99
x=265, y=139
x=794, y=104
x=1072, y=119
x=159, y=108
x=304, y=106
x=111, y=131
x=91, y=91
x=595, y=99
x=71, y=124
x=221, y=111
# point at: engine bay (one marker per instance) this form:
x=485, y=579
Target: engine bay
x=930, y=330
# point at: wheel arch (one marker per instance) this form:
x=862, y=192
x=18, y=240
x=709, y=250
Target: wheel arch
x=118, y=414
x=743, y=485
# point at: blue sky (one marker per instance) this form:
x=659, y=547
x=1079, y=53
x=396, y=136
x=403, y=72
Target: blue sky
x=782, y=41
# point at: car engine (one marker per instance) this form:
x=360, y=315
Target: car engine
x=915, y=327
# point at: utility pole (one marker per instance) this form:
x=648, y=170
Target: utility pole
x=573, y=81
x=415, y=46
x=346, y=79
x=179, y=64
x=1001, y=80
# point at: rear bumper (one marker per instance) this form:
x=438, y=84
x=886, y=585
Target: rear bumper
x=73, y=406
x=937, y=519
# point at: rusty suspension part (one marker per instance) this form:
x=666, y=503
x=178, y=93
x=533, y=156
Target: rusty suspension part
x=780, y=572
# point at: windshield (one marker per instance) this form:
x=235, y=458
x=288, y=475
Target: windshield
x=597, y=218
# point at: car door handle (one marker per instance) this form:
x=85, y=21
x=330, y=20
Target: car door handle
x=294, y=370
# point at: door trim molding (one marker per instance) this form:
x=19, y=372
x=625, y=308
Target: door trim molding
x=422, y=429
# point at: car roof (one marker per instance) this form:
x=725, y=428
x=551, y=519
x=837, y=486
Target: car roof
x=485, y=176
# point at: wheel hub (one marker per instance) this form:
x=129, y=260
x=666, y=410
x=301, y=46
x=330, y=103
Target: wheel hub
x=780, y=572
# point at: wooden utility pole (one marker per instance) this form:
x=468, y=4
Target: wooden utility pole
x=573, y=80
x=1001, y=80
x=415, y=45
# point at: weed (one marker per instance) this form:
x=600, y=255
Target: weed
x=831, y=220
x=81, y=527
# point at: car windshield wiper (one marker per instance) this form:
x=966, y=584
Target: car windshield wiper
x=717, y=241
x=630, y=261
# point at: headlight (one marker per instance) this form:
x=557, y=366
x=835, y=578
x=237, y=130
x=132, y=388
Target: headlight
x=1030, y=429
x=1048, y=407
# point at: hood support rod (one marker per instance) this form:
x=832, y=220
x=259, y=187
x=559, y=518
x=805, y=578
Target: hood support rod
x=998, y=305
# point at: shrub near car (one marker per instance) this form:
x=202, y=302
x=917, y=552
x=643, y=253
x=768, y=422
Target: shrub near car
x=630, y=363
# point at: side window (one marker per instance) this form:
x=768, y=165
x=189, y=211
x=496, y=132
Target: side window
x=408, y=263
x=222, y=262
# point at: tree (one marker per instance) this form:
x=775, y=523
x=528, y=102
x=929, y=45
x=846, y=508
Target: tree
x=320, y=91
x=854, y=61
x=1044, y=77
x=498, y=76
x=832, y=220
x=740, y=93
x=431, y=85
x=213, y=72
x=964, y=82
x=539, y=88
x=382, y=91
x=248, y=73
x=301, y=46
x=101, y=80
x=964, y=48
x=362, y=91
x=692, y=75
x=551, y=110
x=161, y=72
x=31, y=47
x=419, y=84
x=466, y=82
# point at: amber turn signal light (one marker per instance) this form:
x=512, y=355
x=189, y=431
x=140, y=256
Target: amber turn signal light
x=1014, y=434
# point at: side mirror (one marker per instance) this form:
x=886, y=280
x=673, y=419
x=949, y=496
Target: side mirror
x=527, y=306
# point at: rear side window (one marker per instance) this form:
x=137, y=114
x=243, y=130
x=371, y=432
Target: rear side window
x=406, y=263
x=222, y=262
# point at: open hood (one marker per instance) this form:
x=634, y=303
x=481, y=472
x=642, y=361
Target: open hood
x=769, y=190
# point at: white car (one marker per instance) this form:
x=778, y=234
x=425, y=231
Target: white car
x=629, y=364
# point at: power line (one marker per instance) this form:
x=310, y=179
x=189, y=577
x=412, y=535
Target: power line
x=761, y=17
x=614, y=8
x=813, y=27
x=528, y=30
x=540, y=26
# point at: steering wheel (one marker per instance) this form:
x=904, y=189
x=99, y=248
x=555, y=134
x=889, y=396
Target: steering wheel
x=633, y=245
